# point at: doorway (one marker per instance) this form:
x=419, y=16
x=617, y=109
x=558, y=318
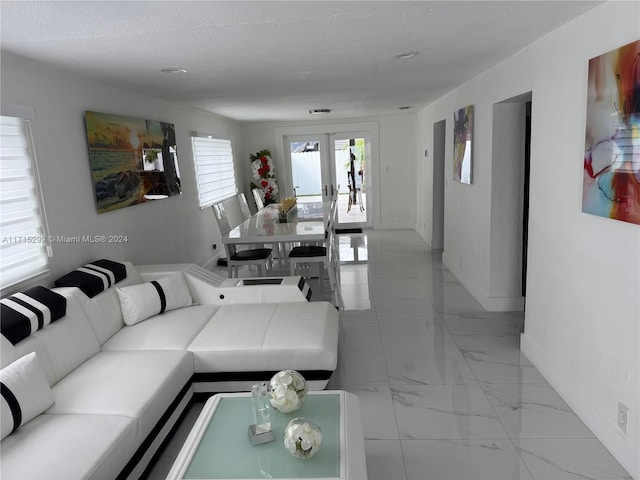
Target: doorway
x=323, y=165
x=351, y=159
x=525, y=195
x=437, y=203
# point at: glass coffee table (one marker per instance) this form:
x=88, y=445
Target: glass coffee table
x=218, y=446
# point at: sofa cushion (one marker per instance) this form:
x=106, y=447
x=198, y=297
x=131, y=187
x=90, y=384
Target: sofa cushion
x=69, y=446
x=26, y=312
x=94, y=277
x=69, y=342
x=137, y=384
x=173, y=330
x=262, y=337
x=139, y=302
x=25, y=393
x=103, y=310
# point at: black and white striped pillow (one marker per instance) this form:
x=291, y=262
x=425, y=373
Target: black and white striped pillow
x=139, y=302
x=26, y=312
x=25, y=393
x=94, y=277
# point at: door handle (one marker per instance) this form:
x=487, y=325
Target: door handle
x=332, y=191
x=325, y=190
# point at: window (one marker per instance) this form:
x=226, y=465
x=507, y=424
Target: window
x=215, y=171
x=24, y=245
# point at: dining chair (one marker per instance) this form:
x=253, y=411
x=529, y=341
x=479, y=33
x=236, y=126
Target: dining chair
x=321, y=254
x=236, y=258
x=257, y=197
x=244, y=206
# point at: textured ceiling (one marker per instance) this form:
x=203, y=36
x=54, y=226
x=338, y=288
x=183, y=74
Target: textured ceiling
x=269, y=60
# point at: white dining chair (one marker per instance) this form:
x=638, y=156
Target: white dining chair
x=244, y=206
x=320, y=254
x=257, y=197
x=261, y=257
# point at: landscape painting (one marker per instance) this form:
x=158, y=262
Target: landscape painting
x=132, y=160
x=611, y=166
x=462, y=144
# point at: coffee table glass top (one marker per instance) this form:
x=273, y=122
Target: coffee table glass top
x=224, y=451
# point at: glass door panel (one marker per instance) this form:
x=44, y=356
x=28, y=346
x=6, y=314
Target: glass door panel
x=321, y=164
x=307, y=160
x=351, y=153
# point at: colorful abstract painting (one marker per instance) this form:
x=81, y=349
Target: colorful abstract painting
x=132, y=160
x=462, y=144
x=611, y=177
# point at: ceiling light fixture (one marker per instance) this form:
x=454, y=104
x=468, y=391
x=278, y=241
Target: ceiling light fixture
x=174, y=70
x=320, y=111
x=405, y=107
x=402, y=56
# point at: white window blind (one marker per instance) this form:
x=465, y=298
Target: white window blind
x=24, y=245
x=215, y=171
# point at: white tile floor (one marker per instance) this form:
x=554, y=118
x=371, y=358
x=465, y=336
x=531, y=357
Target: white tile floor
x=445, y=392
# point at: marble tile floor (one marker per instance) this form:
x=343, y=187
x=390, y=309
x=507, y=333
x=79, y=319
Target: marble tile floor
x=445, y=392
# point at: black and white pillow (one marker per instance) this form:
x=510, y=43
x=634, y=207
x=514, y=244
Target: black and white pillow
x=25, y=393
x=26, y=312
x=139, y=302
x=94, y=277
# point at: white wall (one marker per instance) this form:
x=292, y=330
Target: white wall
x=163, y=231
x=392, y=163
x=582, y=323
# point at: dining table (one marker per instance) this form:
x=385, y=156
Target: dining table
x=265, y=227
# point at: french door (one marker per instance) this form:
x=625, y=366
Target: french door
x=322, y=164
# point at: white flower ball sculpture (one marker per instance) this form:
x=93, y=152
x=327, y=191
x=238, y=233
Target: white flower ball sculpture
x=302, y=438
x=287, y=390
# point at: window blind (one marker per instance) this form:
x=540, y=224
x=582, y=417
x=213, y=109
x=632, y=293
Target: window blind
x=215, y=173
x=24, y=244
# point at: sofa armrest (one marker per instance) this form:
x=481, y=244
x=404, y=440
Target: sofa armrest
x=208, y=288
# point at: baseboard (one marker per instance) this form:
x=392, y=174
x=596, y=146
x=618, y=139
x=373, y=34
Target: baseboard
x=608, y=433
x=489, y=303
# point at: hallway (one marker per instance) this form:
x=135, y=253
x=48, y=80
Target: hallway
x=445, y=392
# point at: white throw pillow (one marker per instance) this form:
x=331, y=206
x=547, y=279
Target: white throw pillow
x=139, y=302
x=25, y=392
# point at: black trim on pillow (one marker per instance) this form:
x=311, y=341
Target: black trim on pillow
x=118, y=269
x=100, y=272
x=93, y=282
x=301, y=283
x=16, y=325
x=38, y=313
x=14, y=405
x=163, y=298
x=309, y=295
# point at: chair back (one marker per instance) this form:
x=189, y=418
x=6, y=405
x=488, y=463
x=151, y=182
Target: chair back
x=221, y=218
x=223, y=226
x=244, y=206
x=257, y=196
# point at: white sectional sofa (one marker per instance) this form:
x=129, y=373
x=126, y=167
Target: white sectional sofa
x=119, y=390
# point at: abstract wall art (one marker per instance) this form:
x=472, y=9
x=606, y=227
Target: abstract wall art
x=132, y=160
x=462, y=144
x=611, y=167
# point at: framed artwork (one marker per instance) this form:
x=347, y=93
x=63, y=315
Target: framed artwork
x=611, y=167
x=132, y=160
x=462, y=144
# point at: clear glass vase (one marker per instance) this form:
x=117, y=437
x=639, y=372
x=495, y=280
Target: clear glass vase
x=287, y=391
x=302, y=438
